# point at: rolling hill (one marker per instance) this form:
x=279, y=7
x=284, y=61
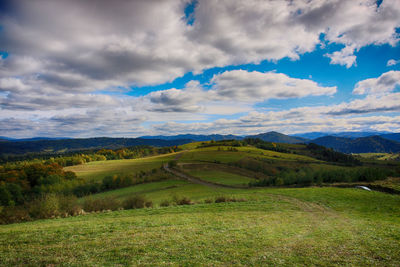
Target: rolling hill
x=370, y=144
x=278, y=138
x=352, y=135
x=343, y=142
x=195, y=137
x=52, y=146
x=222, y=223
x=392, y=136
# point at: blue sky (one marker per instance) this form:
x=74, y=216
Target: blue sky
x=69, y=68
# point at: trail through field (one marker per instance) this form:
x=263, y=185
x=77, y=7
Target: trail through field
x=194, y=179
x=303, y=205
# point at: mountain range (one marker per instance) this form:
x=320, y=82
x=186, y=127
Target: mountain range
x=347, y=142
x=369, y=144
x=54, y=146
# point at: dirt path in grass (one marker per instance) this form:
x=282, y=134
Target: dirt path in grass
x=196, y=180
x=302, y=205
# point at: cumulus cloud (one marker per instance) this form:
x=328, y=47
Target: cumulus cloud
x=233, y=91
x=392, y=62
x=242, y=85
x=149, y=42
x=61, y=54
x=261, y=122
x=17, y=101
x=387, y=82
x=343, y=57
x=347, y=116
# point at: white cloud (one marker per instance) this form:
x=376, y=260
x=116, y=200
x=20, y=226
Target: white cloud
x=387, y=82
x=62, y=53
x=122, y=43
x=392, y=62
x=240, y=85
x=343, y=57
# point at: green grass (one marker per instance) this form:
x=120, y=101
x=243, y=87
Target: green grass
x=393, y=183
x=221, y=177
x=97, y=170
x=141, y=189
x=275, y=226
x=380, y=156
x=212, y=154
x=310, y=226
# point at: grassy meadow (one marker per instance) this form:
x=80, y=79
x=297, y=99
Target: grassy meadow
x=307, y=226
x=270, y=226
x=97, y=170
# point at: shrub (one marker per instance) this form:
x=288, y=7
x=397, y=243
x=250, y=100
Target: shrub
x=69, y=205
x=208, y=201
x=183, y=201
x=220, y=199
x=149, y=204
x=14, y=215
x=164, y=203
x=100, y=204
x=46, y=206
x=135, y=202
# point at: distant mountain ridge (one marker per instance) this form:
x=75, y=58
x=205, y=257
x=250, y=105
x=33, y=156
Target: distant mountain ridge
x=370, y=144
x=314, y=135
x=3, y=138
x=195, y=137
x=50, y=146
x=278, y=138
x=388, y=142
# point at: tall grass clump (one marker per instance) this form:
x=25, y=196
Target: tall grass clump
x=137, y=202
x=101, y=204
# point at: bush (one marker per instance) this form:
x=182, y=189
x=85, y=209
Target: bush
x=149, y=204
x=100, y=204
x=183, y=201
x=14, y=215
x=220, y=199
x=164, y=203
x=208, y=201
x=46, y=206
x=136, y=202
x=69, y=205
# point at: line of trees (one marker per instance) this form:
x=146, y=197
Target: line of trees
x=81, y=157
x=20, y=182
x=308, y=176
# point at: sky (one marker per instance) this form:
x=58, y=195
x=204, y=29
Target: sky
x=80, y=68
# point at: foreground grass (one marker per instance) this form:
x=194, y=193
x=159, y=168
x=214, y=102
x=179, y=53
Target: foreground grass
x=308, y=226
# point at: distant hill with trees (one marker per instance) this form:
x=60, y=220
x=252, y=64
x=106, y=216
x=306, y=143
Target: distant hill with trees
x=278, y=138
x=370, y=144
x=65, y=145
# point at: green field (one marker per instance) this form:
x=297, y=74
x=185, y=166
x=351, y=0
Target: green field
x=221, y=177
x=97, y=170
x=223, y=155
x=275, y=226
x=309, y=226
x=380, y=156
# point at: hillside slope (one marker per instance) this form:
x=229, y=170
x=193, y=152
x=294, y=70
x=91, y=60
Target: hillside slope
x=370, y=144
x=278, y=138
x=275, y=227
x=22, y=147
x=195, y=137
